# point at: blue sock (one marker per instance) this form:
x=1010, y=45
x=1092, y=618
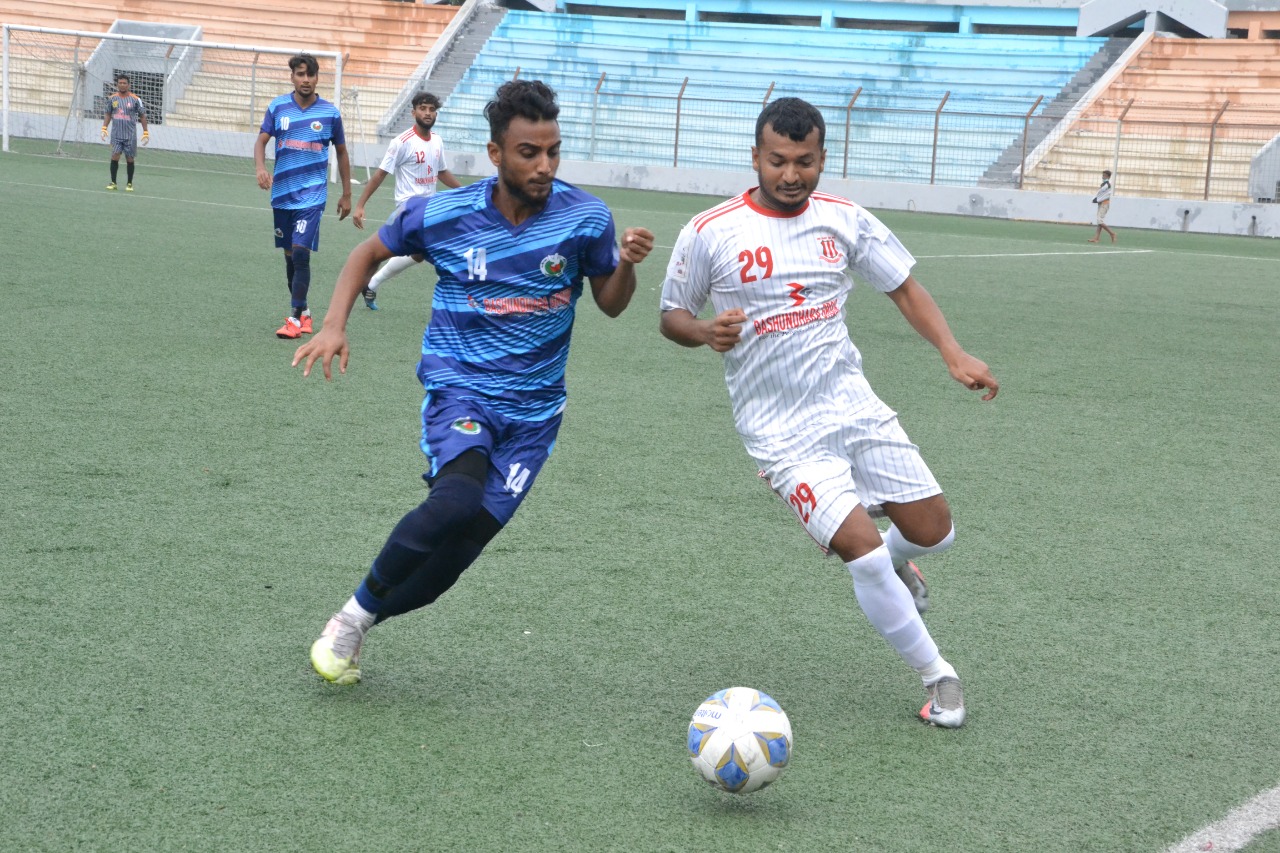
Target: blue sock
x=300, y=281
x=288, y=272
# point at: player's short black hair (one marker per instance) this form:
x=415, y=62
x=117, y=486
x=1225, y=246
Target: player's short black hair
x=313, y=67
x=1106, y=173
x=426, y=98
x=530, y=99
x=793, y=118
x=124, y=77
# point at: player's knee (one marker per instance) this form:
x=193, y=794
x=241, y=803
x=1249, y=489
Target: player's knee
x=301, y=258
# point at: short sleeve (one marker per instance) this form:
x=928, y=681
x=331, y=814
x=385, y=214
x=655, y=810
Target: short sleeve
x=880, y=259
x=600, y=255
x=339, y=136
x=389, y=159
x=688, y=281
x=404, y=233
x=268, y=123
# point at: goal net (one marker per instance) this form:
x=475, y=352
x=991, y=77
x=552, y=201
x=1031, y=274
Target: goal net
x=204, y=101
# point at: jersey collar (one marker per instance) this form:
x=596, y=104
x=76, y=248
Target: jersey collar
x=765, y=211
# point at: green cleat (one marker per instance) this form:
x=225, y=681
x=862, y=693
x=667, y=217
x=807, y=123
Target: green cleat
x=336, y=655
x=128, y=188
x=111, y=186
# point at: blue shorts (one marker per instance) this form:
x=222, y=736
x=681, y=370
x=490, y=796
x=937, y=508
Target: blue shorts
x=454, y=421
x=298, y=227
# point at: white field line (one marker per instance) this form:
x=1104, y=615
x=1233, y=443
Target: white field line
x=1238, y=829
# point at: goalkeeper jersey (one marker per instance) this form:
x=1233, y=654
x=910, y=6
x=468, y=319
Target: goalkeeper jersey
x=504, y=305
x=125, y=112
x=303, y=137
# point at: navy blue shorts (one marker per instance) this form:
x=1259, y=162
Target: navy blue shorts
x=517, y=450
x=298, y=227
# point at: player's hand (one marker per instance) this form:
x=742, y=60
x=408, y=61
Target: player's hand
x=974, y=374
x=322, y=348
x=726, y=329
x=264, y=178
x=104, y=134
x=637, y=243
x=344, y=207
x=357, y=217
x=146, y=137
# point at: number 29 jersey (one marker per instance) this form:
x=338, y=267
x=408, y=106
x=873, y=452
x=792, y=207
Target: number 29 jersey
x=788, y=272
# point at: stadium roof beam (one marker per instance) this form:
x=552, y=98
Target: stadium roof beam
x=1107, y=17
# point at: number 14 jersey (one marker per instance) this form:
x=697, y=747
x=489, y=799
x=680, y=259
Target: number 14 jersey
x=795, y=366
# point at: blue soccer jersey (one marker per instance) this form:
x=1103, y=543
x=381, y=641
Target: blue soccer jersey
x=301, y=177
x=504, y=303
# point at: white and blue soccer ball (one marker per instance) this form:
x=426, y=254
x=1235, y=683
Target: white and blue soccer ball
x=740, y=740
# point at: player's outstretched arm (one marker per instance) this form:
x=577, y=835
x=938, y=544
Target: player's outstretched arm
x=260, y=160
x=331, y=340
x=357, y=216
x=925, y=317
x=613, y=293
x=448, y=179
x=720, y=333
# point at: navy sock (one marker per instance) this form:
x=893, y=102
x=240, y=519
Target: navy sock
x=128, y=170
x=115, y=170
x=454, y=501
x=300, y=281
x=288, y=272
x=441, y=569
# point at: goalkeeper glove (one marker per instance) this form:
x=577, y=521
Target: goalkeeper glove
x=146, y=137
x=104, y=133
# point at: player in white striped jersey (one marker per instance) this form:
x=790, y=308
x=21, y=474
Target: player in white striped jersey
x=773, y=262
x=416, y=158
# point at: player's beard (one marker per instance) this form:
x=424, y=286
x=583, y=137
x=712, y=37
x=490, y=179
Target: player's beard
x=425, y=128
x=784, y=204
x=522, y=196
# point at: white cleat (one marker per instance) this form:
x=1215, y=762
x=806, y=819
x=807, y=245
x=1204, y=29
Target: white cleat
x=946, y=703
x=336, y=655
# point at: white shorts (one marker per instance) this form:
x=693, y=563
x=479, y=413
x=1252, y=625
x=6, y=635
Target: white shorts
x=866, y=460
x=1103, y=207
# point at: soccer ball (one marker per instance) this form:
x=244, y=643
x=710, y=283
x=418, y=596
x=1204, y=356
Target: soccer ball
x=740, y=740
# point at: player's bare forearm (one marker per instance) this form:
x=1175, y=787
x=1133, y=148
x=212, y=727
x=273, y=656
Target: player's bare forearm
x=446, y=177
x=924, y=315
x=613, y=294
x=357, y=216
x=361, y=264
x=720, y=333
x=260, y=161
x=344, y=178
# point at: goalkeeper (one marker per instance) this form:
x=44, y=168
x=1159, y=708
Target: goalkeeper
x=119, y=126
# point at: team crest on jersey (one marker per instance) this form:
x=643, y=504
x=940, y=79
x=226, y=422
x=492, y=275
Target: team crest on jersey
x=279, y=234
x=466, y=426
x=553, y=265
x=830, y=251
x=115, y=104
x=317, y=126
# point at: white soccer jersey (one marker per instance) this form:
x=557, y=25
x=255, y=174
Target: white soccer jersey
x=793, y=367
x=416, y=163
x=1104, y=192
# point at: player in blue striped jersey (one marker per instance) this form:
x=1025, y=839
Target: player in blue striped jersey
x=304, y=125
x=511, y=253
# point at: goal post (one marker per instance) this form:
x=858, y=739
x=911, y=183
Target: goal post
x=204, y=100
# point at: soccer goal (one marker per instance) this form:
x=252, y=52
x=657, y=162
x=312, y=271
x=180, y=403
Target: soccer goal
x=205, y=101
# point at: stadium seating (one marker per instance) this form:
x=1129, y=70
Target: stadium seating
x=1169, y=97
x=732, y=69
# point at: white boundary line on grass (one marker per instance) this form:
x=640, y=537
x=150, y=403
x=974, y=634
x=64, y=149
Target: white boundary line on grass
x=1081, y=253
x=1238, y=829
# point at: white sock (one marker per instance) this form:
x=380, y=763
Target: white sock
x=353, y=609
x=936, y=670
x=890, y=608
x=901, y=549
x=391, y=268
